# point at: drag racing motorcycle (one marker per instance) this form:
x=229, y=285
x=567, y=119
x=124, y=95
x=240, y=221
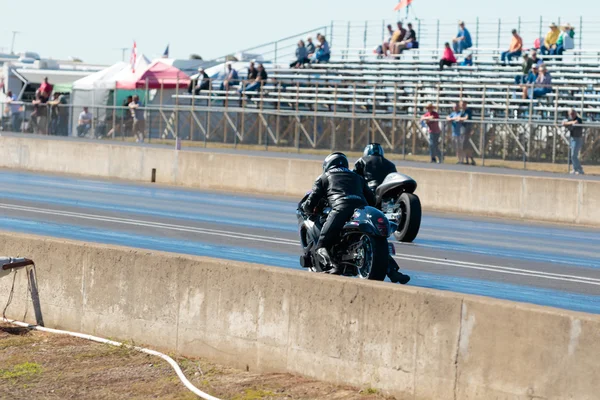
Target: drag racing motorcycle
x=396, y=199
x=362, y=250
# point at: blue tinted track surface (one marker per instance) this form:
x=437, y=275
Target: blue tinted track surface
x=550, y=265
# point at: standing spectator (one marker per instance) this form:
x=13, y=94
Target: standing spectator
x=550, y=40
x=252, y=72
x=468, y=61
x=259, y=81
x=515, y=48
x=462, y=41
x=432, y=118
x=127, y=119
x=566, y=40
x=448, y=58
x=55, y=114
x=139, y=120
x=45, y=90
x=466, y=129
x=574, y=125
x=385, y=47
x=301, y=56
x=310, y=47
x=454, y=118
x=541, y=87
x=40, y=113
x=16, y=115
x=232, y=78
x=525, y=69
x=84, y=124
x=323, y=53
x=397, y=37
x=409, y=40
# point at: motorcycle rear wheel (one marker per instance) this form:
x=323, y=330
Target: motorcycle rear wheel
x=410, y=220
x=372, y=258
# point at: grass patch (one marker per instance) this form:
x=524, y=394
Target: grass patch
x=26, y=369
x=369, y=391
x=16, y=341
x=254, y=394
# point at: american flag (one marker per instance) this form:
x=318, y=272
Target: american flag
x=133, y=57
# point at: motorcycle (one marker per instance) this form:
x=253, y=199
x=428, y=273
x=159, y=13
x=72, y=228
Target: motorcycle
x=396, y=199
x=363, y=249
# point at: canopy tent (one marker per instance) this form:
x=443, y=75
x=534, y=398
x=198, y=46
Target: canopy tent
x=102, y=79
x=158, y=75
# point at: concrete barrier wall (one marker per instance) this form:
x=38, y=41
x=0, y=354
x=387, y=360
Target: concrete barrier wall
x=410, y=342
x=544, y=199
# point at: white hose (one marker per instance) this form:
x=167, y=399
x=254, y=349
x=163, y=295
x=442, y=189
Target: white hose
x=168, y=359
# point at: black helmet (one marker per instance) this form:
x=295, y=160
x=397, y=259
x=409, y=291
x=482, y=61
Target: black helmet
x=335, y=160
x=373, y=149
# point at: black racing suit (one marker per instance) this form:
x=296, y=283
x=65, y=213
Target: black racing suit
x=374, y=168
x=345, y=191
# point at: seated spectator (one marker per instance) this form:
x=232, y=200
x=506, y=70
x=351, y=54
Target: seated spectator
x=525, y=68
x=252, y=72
x=566, y=40
x=84, y=123
x=536, y=59
x=323, y=53
x=432, y=118
x=448, y=58
x=310, y=47
x=541, y=87
x=462, y=41
x=259, y=81
x=550, y=40
x=468, y=61
x=409, y=40
x=532, y=75
x=515, y=48
x=385, y=47
x=203, y=82
x=397, y=37
x=301, y=56
x=231, y=79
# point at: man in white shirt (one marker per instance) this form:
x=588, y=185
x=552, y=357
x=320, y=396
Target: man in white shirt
x=85, y=122
x=15, y=111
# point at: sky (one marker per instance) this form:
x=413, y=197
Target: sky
x=95, y=30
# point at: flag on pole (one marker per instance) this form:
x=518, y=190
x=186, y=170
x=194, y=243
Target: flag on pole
x=402, y=4
x=166, y=53
x=133, y=58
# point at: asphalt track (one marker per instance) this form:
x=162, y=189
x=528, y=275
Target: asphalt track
x=538, y=263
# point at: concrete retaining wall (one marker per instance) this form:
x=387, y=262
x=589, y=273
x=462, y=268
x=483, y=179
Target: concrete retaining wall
x=544, y=199
x=410, y=342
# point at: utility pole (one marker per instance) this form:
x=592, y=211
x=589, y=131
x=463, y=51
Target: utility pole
x=12, y=46
x=123, y=51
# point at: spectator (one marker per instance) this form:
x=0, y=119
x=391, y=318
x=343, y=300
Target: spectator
x=541, y=87
x=55, y=113
x=397, y=37
x=432, y=118
x=301, y=56
x=323, y=53
x=550, y=40
x=310, y=47
x=466, y=129
x=139, y=120
x=252, y=72
x=385, y=47
x=515, y=48
x=45, y=90
x=16, y=115
x=532, y=75
x=525, y=69
x=468, y=61
x=127, y=119
x=536, y=59
x=574, y=125
x=462, y=41
x=448, y=58
x=202, y=83
x=566, y=40
x=40, y=113
x=454, y=118
x=84, y=123
x=409, y=40
x=259, y=81
x=232, y=78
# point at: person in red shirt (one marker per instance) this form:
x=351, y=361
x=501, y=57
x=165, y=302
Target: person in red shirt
x=46, y=89
x=448, y=58
x=432, y=120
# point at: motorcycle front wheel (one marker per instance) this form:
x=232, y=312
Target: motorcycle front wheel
x=371, y=258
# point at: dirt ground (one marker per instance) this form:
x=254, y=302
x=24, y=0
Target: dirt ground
x=36, y=365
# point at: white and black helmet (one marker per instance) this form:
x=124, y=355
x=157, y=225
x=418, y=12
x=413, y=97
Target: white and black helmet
x=335, y=160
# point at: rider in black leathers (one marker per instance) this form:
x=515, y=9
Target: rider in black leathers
x=373, y=166
x=345, y=191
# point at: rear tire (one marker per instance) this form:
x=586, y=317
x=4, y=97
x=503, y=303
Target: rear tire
x=410, y=207
x=381, y=254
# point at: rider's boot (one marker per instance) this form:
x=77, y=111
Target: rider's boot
x=395, y=275
x=325, y=259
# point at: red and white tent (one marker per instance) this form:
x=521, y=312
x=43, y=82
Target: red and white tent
x=157, y=75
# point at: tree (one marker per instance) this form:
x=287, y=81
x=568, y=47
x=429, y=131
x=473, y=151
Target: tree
x=195, y=57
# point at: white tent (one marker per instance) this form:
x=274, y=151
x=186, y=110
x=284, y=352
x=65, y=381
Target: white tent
x=101, y=79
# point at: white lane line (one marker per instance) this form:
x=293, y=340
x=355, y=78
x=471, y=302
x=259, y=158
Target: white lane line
x=267, y=239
